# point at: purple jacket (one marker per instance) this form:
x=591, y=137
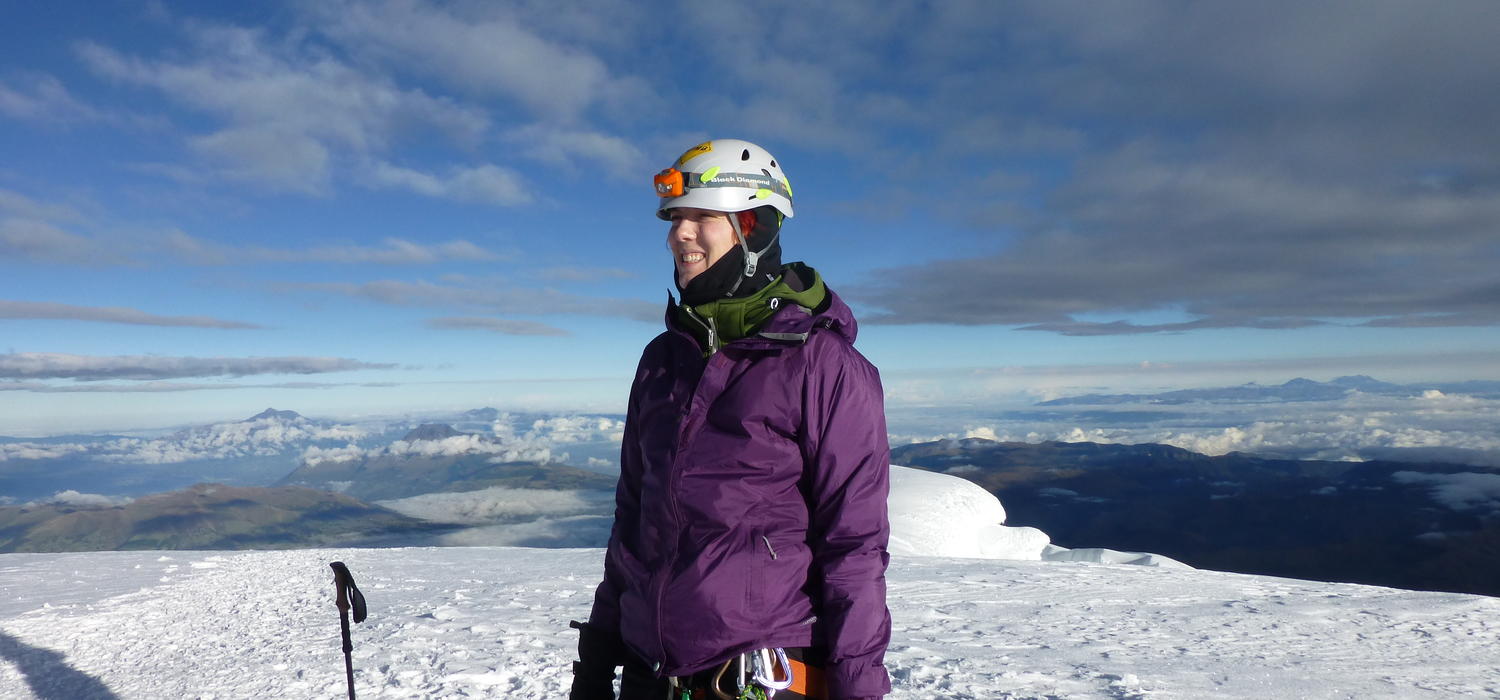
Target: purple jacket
x=751, y=507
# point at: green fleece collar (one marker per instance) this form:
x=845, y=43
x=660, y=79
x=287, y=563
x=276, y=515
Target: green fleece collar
x=727, y=320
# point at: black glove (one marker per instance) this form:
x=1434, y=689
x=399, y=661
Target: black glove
x=599, y=652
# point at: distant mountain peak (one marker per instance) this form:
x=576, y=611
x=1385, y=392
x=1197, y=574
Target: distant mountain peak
x=273, y=413
x=485, y=413
x=432, y=431
x=1361, y=381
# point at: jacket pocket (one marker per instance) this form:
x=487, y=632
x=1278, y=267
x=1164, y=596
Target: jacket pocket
x=761, y=556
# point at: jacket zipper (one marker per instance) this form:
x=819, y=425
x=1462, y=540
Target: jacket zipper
x=661, y=590
x=708, y=325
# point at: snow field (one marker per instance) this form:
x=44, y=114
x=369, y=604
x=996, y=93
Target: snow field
x=492, y=622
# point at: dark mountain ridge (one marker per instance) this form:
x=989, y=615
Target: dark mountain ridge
x=1362, y=522
x=204, y=516
x=273, y=414
x=1298, y=389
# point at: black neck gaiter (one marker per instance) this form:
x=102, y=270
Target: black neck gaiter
x=715, y=282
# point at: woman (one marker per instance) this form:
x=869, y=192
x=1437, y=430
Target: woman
x=750, y=525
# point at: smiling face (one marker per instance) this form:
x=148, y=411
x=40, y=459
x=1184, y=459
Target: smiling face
x=697, y=239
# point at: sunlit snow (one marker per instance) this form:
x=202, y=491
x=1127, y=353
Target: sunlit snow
x=492, y=621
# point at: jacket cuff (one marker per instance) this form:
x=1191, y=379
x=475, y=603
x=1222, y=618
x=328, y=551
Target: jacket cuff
x=857, y=679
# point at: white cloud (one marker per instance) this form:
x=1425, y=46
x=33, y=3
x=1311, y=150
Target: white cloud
x=20, y=206
x=391, y=251
x=983, y=432
x=501, y=504
x=107, y=314
x=496, y=325
x=488, y=296
x=511, y=439
x=281, y=159
x=446, y=447
x=587, y=152
x=1454, y=428
x=584, y=274
x=152, y=387
x=263, y=437
x=35, y=230
x=30, y=239
x=85, y=500
x=41, y=365
x=315, y=455
x=1463, y=491
x=43, y=99
x=485, y=184
x=35, y=450
x=292, y=116
x=565, y=429
x=491, y=55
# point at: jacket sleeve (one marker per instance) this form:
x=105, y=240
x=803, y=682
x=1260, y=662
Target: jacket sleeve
x=606, y=612
x=848, y=481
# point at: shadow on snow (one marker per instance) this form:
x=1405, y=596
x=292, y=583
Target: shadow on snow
x=49, y=675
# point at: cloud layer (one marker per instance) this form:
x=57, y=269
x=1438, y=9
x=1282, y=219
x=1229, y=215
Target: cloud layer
x=1233, y=166
x=41, y=365
x=510, y=439
x=1463, y=491
x=1433, y=427
x=38, y=231
x=496, y=325
x=292, y=116
x=486, y=295
x=260, y=437
x=107, y=314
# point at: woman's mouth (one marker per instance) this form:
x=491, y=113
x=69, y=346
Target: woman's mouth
x=691, y=257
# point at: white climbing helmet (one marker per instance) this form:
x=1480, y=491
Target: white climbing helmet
x=724, y=175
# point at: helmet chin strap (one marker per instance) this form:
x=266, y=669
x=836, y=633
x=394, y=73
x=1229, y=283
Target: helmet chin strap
x=752, y=260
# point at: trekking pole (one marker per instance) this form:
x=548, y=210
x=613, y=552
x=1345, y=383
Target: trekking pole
x=349, y=597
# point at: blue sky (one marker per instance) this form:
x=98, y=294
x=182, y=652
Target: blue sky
x=377, y=207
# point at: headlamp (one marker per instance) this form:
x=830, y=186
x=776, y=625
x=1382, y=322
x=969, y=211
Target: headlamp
x=669, y=183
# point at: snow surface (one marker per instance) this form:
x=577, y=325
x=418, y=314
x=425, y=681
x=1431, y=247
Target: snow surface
x=1099, y=555
x=939, y=515
x=1000, y=613
x=492, y=622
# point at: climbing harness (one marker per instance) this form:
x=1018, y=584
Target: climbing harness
x=755, y=677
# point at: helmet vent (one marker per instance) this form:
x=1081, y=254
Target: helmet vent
x=773, y=164
x=745, y=154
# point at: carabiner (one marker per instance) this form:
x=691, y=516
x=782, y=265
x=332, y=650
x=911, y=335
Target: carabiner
x=765, y=670
x=718, y=677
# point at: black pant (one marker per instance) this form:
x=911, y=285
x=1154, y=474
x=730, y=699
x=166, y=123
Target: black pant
x=638, y=682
